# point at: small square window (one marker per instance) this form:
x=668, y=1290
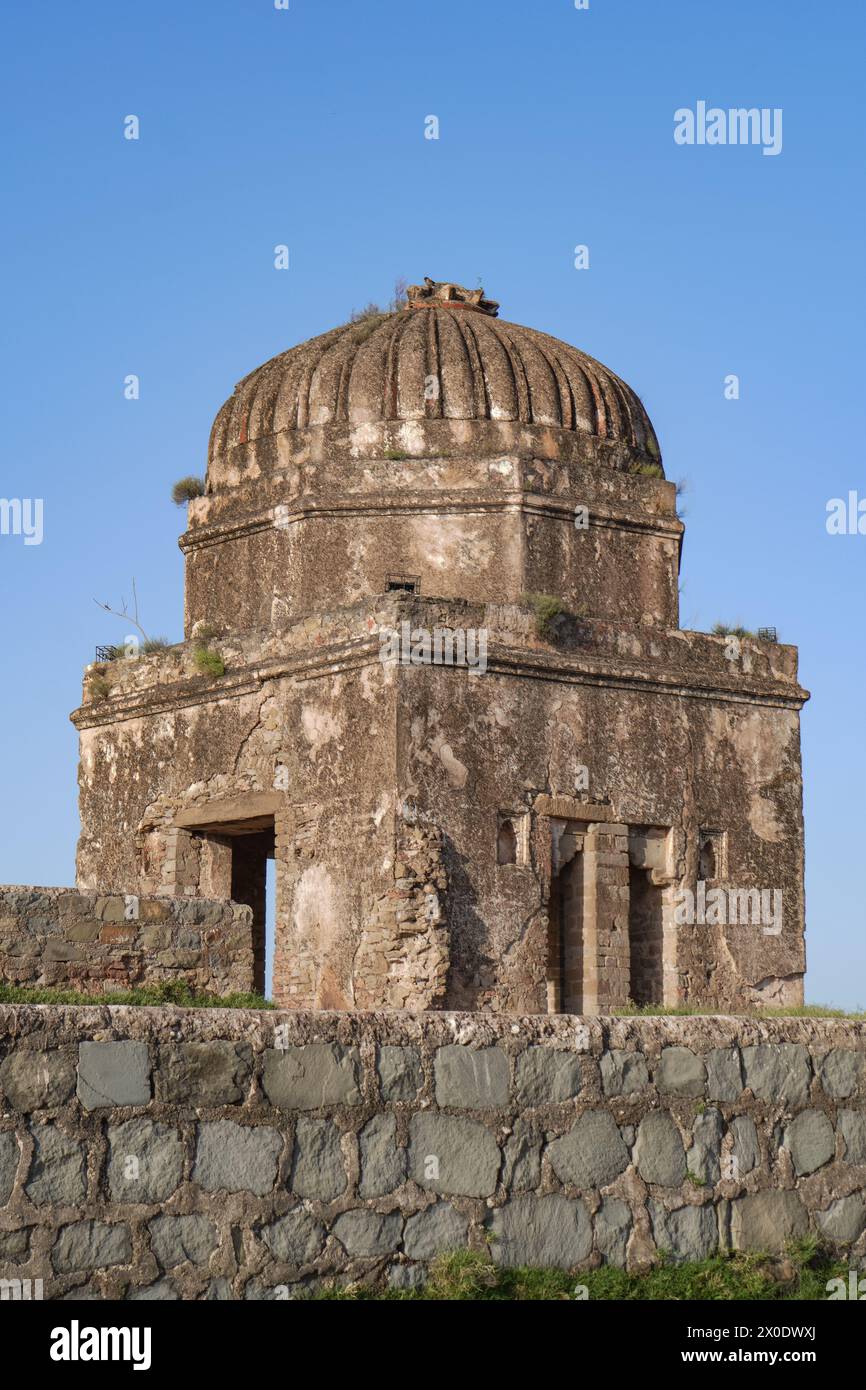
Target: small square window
x=712, y=856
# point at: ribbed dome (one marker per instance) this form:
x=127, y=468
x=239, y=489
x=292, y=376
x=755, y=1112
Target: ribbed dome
x=444, y=356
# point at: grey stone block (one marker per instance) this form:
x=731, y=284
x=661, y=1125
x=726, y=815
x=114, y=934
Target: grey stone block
x=613, y=1222
x=296, y=1238
x=400, y=1072
x=206, y=1073
x=367, y=1233
x=145, y=1161
x=852, y=1126
x=777, y=1071
x=318, y=1169
x=545, y=1076
x=33, y=1080
x=659, y=1152
x=704, y=1157
x=690, y=1233
x=91, y=1245
x=745, y=1148
x=811, y=1141
x=453, y=1155
x=402, y=1276
x=176, y=1239
x=383, y=1161
x=218, y=1291
x=57, y=1169
x=310, y=1076
x=113, y=1073
x=592, y=1153
x=469, y=1078
x=623, y=1073
x=521, y=1169
x=236, y=1158
x=546, y=1232
x=841, y=1072
x=767, y=1221
x=681, y=1072
x=14, y=1247
x=10, y=1154
x=434, y=1231
x=844, y=1219
x=724, y=1073
x=161, y=1292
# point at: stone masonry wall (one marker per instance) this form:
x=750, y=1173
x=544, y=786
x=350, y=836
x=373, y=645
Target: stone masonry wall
x=221, y=1154
x=57, y=938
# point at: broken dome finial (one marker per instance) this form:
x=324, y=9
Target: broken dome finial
x=435, y=292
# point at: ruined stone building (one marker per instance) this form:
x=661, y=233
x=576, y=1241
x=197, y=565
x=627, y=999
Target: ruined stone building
x=438, y=558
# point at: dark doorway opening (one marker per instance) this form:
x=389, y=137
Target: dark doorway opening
x=250, y=855
x=646, y=938
x=565, y=940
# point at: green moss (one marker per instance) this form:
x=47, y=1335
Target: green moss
x=689, y=1010
x=395, y=455
x=647, y=470
x=209, y=662
x=170, y=992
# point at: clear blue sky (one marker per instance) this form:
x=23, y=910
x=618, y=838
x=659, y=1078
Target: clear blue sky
x=306, y=127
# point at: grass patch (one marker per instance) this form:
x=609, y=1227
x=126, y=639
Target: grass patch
x=647, y=470
x=471, y=1275
x=209, y=662
x=546, y=608
x=730, y=630
x=173, y=992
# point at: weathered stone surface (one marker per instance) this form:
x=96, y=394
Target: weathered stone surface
x=91, y=1245
x=33, y=1080
x=206, y=1073
x=681, y=1072
x=779, y=1072
x=659, y=1152
x=163, y=1291
x=744, y=1148
x=176, y=1239
x=844, y=1220
x=841, y=1072
x=592, y=1154
x=724, y=1073
x=113, y=1073
x=434, y=1231
x=296, y=1238
x=469, y=1078
x=623, y=1073
x=521, y=1168
x=689, y=1233
x=404, y=1276
x=767, y=1221
x=306, y=1078
x=852, y=1125
x=368, y=1232
x=56, y=1169
x=9, y=1156
x=543, y=1076
x=613, y=1222
x=453, y=1155
x=811, y=1140
x=383, y=1161
x=318, y=1169
x=235, y=1158
x=704, y=1156
x=400, y=1072
x=14, y=1247
x=551, y=1231
x=145, y=1161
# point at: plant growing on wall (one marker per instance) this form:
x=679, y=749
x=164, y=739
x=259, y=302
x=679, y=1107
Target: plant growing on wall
x=185, y=489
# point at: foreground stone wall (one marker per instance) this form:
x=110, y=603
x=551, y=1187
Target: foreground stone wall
x=223, y=1154
x=57, y=938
